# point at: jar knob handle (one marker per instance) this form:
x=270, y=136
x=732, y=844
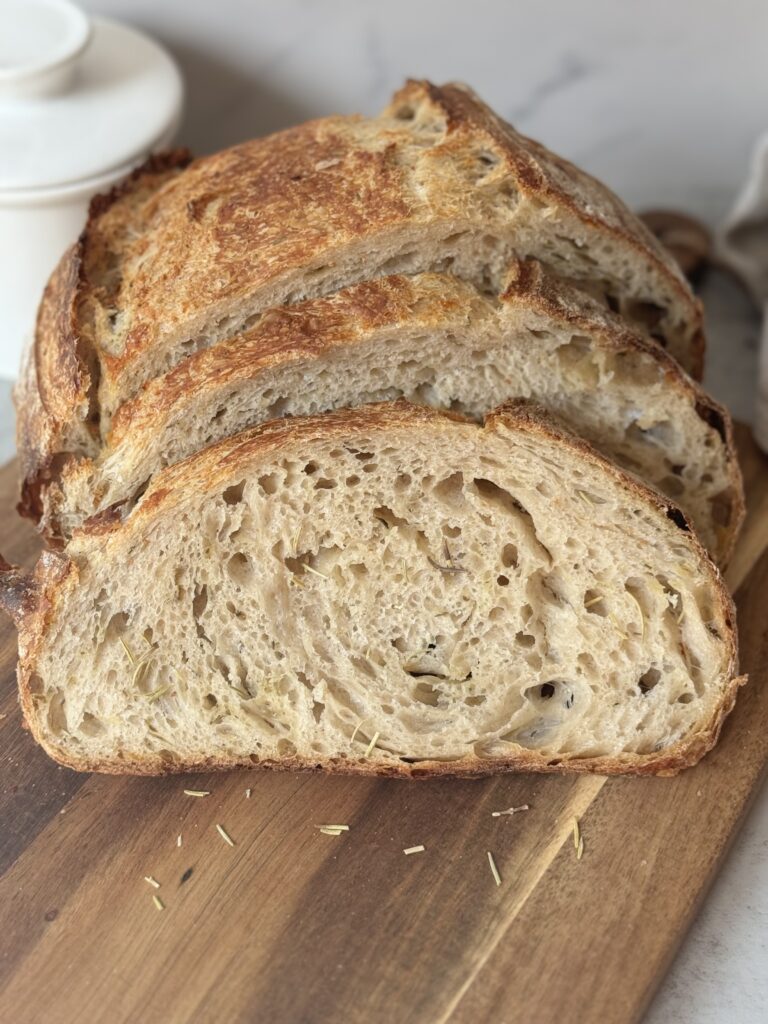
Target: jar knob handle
x=40, y=43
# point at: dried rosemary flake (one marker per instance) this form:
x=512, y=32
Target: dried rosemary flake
x=197, y=792
x=510, y=811
x=152, y=881
x=141, y=668
x=494, y=869
x=315, y=572
x=158, y=693
x=128, y=651
x=587, y=498
x=413, y=849
x=356, y=730
x=444, y=568
x=296, y=539
x=157, y=901
x=640, y=613
x=580, y=848
x=576, y=834
x=371, y=745
x=227, y=839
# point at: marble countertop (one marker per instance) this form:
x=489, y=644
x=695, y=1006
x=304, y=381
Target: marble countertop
x=662, y=101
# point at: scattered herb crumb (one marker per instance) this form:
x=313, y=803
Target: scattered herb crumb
x=178, y=840
x=357, y=728
x=227, y=838
x=186, y=876
x=128, y=651
x=247, y=794
x=197, y=792
x=494, y=869
x=510, y=811
x=413, y=849
x=152, y=881
x=371, y=745
x=157, y=901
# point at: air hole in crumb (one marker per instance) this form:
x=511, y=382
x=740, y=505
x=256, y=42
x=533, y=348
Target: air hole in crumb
x=310, y=468
x=209, y=701
x=199, y=604
x=269, y=483
x=685, y=698
x=525, y=640
x=234, y=494
x=509, y=556
x=240, y=569
x=324, y=484
x=475, y=701
x=450, y=490
x=352, y=480
x=648, y=680
x=116, y=626
x=503, y=581
x=451, y=531
x=285, y=748
x=424, y=693
x=405, y=113
x=91, y=726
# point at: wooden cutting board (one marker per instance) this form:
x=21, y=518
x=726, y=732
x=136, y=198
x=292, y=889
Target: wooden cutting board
x=294, y=927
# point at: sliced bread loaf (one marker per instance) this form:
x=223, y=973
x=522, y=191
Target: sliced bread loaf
x=436, y=340
x=182, y=257
x=388, y=590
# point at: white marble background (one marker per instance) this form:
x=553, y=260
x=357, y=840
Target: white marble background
x=661, y=99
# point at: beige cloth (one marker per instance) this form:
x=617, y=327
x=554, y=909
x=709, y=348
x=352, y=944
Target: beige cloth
x=743, y=247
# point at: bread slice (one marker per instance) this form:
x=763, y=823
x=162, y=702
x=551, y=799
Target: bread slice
x=389, y=590
x=432, y=339
x=182, y=257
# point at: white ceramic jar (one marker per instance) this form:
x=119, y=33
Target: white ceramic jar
x=82, y=102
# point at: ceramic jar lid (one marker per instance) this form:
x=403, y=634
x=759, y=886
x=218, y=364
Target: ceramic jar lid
x=79, y=97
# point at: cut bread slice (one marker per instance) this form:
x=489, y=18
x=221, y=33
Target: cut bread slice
x=436, y=340
x=389, y=590
x=182, y=257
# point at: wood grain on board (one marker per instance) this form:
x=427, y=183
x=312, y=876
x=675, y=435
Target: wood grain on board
x=291, y=926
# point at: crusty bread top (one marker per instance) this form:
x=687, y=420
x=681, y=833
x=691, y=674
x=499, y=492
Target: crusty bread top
x=175, y=249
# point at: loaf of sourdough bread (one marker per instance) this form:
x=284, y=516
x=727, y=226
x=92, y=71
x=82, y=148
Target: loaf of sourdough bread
x=186, y=256
x=435, y=340
x=389, y=590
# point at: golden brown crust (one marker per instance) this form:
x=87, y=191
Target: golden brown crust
x=168, y=247
x=55, y=392
x=53, y=385
x=214, y=467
